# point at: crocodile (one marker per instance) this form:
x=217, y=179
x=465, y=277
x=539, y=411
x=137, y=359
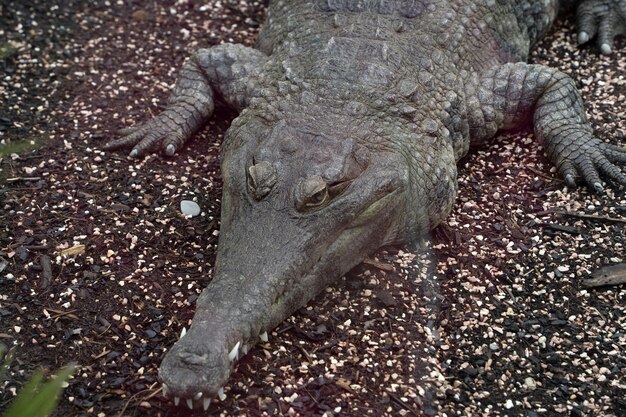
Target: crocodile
x=352, y=115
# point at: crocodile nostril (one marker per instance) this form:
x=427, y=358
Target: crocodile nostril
x=191, y=358
x=261, y=178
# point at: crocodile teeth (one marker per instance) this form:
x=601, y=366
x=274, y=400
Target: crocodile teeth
x=176, y=401
x=197, y=396
x=183, y=332
x=234, y=353
x=244, y=349
x=166, y=390
x=264, y=337
x=190, y=403
x=206, y=403
x=220, y=393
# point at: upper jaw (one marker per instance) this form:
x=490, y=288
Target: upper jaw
x=192, y=372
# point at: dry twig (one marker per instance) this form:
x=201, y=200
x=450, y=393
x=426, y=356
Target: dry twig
x=607, y=275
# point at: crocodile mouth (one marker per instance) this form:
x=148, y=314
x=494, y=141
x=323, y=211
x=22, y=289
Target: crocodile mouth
x=203, y=398
x=373, y=210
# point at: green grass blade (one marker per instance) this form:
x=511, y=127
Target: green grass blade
x=6, y=361
x=25, y=396
x=37, y=399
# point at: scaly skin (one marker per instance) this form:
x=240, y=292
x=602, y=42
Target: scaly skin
x=352, y=117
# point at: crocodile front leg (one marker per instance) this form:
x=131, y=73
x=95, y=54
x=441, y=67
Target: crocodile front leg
x=510, y=95
x=228, y=70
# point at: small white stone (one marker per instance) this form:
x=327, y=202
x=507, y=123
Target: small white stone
x=189, y=208
x=509, y=404
x=542, y=341
x=530, y=384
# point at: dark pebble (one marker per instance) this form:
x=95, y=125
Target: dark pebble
x=22, y=253
x=386, y=298
x=464, y=397
x=120, y=207
x=89, y=275
x=553, y=359
x=117, y=382
x=575, y=413
x=430, y=411
x=470, y=371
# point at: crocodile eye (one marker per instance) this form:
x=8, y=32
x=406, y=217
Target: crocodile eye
x=313, y=192
x=318, y=198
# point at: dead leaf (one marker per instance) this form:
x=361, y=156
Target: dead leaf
x=74, y=250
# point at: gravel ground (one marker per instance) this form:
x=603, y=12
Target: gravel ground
x=98, y=266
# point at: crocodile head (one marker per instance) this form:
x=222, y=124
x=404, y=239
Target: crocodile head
x=299, y=210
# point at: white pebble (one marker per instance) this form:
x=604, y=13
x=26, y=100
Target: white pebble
x=189, y=208
x=530, y=384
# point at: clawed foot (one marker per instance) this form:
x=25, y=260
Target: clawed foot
x=592, y=159
x=604, y=18
x=166, y=133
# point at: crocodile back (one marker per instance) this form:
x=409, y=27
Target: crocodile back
x=375, y=41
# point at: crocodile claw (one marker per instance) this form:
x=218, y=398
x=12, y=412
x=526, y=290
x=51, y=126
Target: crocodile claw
x=603, y=18
x=592, y=159
x=166, y=132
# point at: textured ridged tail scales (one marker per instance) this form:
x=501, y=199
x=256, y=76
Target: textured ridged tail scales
x=226, y=70
x=506, y=96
